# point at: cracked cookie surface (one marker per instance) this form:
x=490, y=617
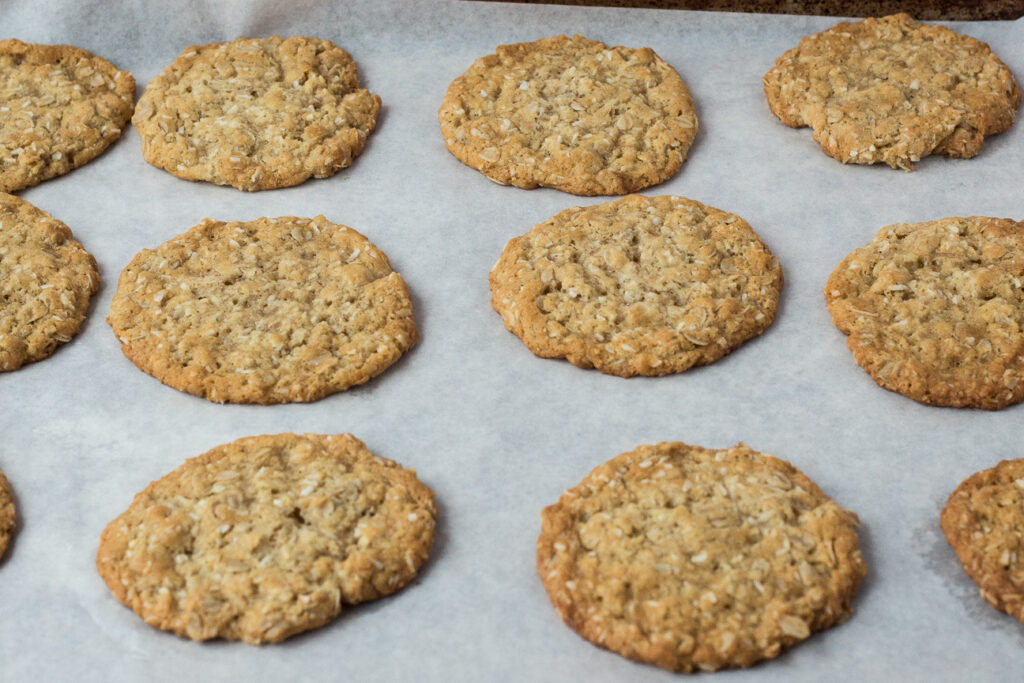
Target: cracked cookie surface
x=60, y=107
x=637, y=286
x=256, y=114
x=892, y=90
x=8, y=517
x=46, y=282
x=984, y=523
x=268, y=536
x=691, y=558
x=275, y=310
x=935, y=310
x=572, y=114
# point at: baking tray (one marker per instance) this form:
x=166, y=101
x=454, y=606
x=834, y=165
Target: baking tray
x=495, y=431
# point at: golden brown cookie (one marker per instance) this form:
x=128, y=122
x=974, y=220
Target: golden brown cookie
x=572, y=114
x=637, y=286
x=691, y=558
x=984, y=520
x=8, y=518
x=268, y=536
x=892, y=90
x=274, y=310
x=46, y=281
x=256, y=114
x=935, y=310
x=59, y=108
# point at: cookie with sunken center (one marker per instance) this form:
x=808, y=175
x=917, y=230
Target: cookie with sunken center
x=637, y=286
x=8, y=517
x=892, y=90
x=983, y=520
x=268, y=536
x=698, y=559
x=60, y=107
x=935, y=310
x=256, y=114
x=275, y=310
x=46, y=281
x=570, y=113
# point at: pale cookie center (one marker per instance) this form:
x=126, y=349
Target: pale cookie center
x=672, y=274
x=943, y=291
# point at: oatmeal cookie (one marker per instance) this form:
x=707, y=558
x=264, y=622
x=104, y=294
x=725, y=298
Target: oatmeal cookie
x=274, y=310
x=892, y=90
x=46, y=281
x=256, y=114
x=637, y=286
x=8, y=518
x=935, y=310
x=60, y=107
x=268, y=536
x=983, y=521
x=691, y=558
x=572, y=114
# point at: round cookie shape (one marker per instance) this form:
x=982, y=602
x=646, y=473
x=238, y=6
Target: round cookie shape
x=268, y=536
x=46, y=281
x=8, y=518
x=637, y=286
x=982, y=522
x=60, y=107
x=935, y=310
x=892, y=90
x=256, y=114
x=690, y=558
x=275, y=310
x=572, y=114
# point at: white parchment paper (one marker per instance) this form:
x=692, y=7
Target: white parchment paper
x=495, y=431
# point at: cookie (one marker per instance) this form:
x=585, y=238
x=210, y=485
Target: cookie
x=690, y=558
x=46, y=281
x=982, y=520
x=572, y=114
x=274, y=310
x=60, y=107
x=256, y=114
x=637, y=286
x=8, y=519
x=935, y=310
x=268, y=536
x=892, y=90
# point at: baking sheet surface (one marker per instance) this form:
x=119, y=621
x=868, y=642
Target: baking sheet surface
x=496, y=432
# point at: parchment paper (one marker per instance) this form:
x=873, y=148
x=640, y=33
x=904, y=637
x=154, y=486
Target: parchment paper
x=495, y=431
